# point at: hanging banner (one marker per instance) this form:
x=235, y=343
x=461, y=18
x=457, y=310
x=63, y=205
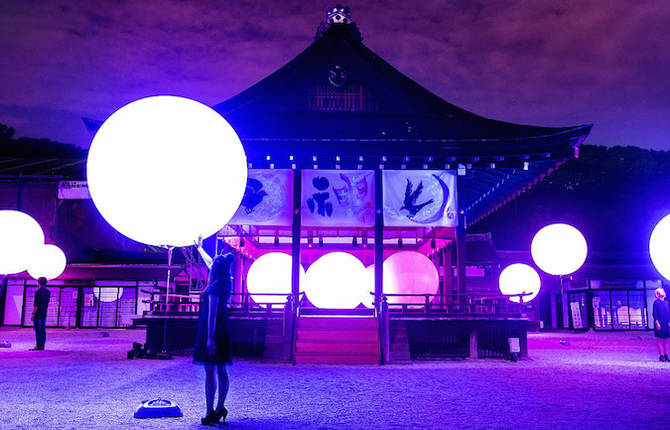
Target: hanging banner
x=419, y=198
x=268, y=199
x=338, y=198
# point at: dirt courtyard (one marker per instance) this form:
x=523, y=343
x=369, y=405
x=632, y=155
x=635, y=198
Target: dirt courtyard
x=595, y=381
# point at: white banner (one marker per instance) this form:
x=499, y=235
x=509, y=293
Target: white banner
x=73, y=190
x=419, y=197
x=338, y=198
x=268, y=199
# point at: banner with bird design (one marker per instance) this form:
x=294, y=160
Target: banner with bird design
x=268, y=198
x=338, y=198
x=419, y=198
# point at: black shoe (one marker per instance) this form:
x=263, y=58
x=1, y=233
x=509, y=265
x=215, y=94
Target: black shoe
x=661, y=358
x=37, y=348
x=220, y=416
x=207, y=420
x=665, y=357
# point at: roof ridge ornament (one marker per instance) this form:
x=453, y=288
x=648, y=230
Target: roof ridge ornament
x=338, y=15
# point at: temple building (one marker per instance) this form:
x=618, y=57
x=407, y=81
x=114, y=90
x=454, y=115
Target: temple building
x=345, y=154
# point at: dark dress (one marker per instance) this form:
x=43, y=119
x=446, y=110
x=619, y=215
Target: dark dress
x=661, y=313
x=222, y=332
x=220, y=285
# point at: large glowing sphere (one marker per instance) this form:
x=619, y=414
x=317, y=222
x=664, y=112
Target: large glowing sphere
x=48, y=261
x=558, y=249
x=20, y=237
x=107, y=294
x=335, y=281
x=164, y=170
x=410, y=272
x=519, y=279
x=659, y=247
x=271, y=273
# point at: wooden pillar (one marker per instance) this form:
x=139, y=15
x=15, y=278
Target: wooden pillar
x=295, y=236
x=379, y=262
x=448, y=278
x=461, y=260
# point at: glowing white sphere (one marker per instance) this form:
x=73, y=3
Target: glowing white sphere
x=271, y=273
x=164, y=170
x=49, y=262
x=335, y=281
x=107, y=294
x=517, y=279
x=558, y=249
x=20, y=237
x=659, y=247
x=410, y=272
x=368, y=299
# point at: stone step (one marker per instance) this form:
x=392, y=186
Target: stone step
x=337, y=336
x=330, y=323
x=336, y=348
x=336, y=359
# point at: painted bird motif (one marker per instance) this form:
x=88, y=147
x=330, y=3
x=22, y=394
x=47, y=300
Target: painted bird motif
x=409, y=203
x=253, y=195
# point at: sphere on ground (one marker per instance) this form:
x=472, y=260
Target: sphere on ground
x=271, y=273
x=164, y=170
x=410, y=272
x=20, y=237
x=519, y=278
x=559, y=249
x=659, y=247
x=107, y=294
x=367, y=298
x=335, y=281
x=48, y=261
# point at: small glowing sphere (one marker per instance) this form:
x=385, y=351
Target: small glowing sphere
x=558, y=249
x=271, y=273
x=410, y=272
x=368, y=299
x=517, y=279
x=164, y=170
x=335, y=281
x=107, y=294
x=659, y=247
x=49, y=262
x=20, y=237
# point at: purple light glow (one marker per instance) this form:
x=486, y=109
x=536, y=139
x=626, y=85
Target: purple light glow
x=559, y=249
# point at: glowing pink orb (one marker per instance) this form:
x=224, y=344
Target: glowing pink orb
x=48, y=261
x=335, y=281
x=518, y=279
x=559, y=249
x=410, y=272
x=271, y=273
x=20, y=237
x=659, y=247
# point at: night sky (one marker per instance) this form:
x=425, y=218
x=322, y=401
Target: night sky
x=548, y=62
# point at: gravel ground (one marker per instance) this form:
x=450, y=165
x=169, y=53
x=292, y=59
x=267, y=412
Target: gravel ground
x=82, y=380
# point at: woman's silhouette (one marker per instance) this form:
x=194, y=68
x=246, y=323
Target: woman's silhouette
x=213, y=341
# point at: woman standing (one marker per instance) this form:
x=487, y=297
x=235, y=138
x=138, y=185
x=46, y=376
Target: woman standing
x=213, y=341
x=661, y=315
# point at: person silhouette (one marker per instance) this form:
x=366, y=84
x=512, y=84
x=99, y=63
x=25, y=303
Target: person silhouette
x=213, y=341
